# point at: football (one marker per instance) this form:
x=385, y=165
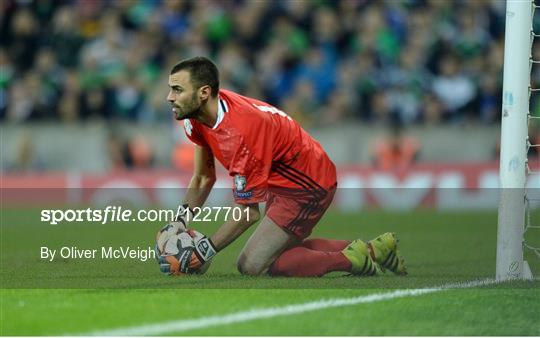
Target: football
x=174, y=247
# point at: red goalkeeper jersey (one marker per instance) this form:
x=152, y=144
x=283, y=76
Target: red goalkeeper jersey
x=262, y=148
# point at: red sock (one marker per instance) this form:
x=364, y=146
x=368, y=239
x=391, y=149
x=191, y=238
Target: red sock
x=323, y=244
x=303, y=262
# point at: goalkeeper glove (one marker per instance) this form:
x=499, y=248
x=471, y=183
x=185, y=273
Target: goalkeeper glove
x=204, y=250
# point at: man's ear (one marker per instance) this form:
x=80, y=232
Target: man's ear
x=205, y=92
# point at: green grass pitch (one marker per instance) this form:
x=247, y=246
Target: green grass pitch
x=84, y=296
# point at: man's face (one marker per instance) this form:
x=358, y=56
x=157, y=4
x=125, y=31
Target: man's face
x=182, y=96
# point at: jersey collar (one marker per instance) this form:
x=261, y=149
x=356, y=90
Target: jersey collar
x=222, y=109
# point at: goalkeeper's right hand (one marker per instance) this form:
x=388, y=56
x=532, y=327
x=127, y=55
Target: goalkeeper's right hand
x=179, y=225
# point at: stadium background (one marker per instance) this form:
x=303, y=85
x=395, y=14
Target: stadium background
x=346, y=70
x=82, y=105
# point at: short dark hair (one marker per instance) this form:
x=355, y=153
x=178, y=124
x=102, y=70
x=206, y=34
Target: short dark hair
x=202, y=72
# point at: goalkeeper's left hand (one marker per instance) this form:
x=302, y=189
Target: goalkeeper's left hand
x=204, y=250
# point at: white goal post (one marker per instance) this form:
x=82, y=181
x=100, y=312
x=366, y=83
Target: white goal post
x=513, y=157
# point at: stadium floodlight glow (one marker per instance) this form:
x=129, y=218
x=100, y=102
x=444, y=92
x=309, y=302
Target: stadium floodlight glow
x=513, y=157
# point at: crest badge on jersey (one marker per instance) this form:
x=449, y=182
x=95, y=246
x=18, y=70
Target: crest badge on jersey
x=240, y=184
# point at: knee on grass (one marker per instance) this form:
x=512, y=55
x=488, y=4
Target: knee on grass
x=249, y=267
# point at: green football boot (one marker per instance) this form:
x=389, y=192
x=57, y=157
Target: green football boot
x=357, y=252
x=385, y=252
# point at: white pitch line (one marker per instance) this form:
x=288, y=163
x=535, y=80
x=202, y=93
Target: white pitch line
x=254, y=314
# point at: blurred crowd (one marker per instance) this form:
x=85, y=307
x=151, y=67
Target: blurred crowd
x=324, y=62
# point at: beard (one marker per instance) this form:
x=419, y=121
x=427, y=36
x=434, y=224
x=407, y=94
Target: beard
x=188, y=110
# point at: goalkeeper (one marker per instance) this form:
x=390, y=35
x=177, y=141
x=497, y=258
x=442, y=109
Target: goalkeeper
x=271, y=159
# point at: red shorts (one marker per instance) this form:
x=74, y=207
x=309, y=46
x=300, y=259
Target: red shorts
x=296, y=211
